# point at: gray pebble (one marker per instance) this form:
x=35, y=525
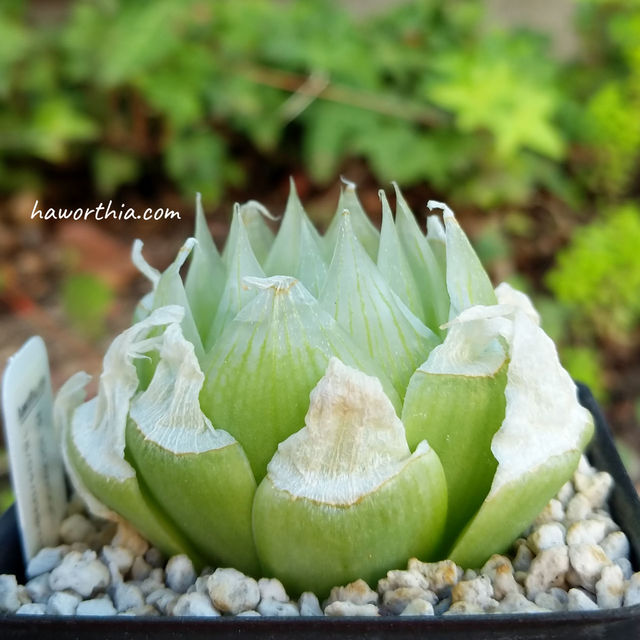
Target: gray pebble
x=523, y=557
x=626, y=566
x=154, y=557
x=96, y=607
x=38, y=588
x=145, y=610
x=632, y=592
x=580, y=601
x=309, y=604
x=551, y=602
x=180, y=574
x=127, y=596
x=275, y=608
x=195, y=604
x=140, y=569
x=32, y=609
x=45, y=560
x=163, y=600
x=442, y=606
x=396, y=601
x=63, y=603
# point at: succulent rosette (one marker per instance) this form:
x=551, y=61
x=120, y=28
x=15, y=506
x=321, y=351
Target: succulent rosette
x=323, y=408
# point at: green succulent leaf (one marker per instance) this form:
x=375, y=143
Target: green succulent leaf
x=242, y=262
x=363, y=228
x=393, y=264
x=253, y=216
x=206, y=276
x=360, y=299
x=177, y=453
x=344, y=498
x=424, y=265
x=272, y=355
x=297, y=251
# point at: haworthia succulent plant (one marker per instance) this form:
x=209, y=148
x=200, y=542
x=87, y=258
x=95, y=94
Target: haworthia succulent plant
x=321, y=409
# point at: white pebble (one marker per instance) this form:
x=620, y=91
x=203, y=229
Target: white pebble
x=566, y=493
x=32, y=609
x=586, y=532
x=418, y=607
x=63, y=603
x=517, y=603
x=358, y=592
x=82, y=572
x=578, y=508
x=272, y=589
x=552, y=512
x=580, y=601
x=145, y=610
x=626, y=566
x=96, y=607
x=500, y=571
x=463, y=608
x=149, y=585
x=595, y=488
x=547, y=570
x=276, y=608
x=45, y=560
x=180, y=574
x=546, y=536
x=632, y=592
x=346, y=609
x=587, y=562
x=309, y=604
x=396, y=579
x=38, y=588
x=9, y=600
x=127, y=596
x=616, y=545
x=396, y=601
x=233, y=592
x=195, y=604
x=584, y=467
x=441, y=576
x=118, y=558
x=76, y=528
x=200, y=585
x=252, y=613
x=478, y=591
x=610, y=588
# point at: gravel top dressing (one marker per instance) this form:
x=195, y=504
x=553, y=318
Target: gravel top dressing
x=573, y=558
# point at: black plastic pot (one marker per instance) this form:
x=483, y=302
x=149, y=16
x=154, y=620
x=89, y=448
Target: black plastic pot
x=612, y=624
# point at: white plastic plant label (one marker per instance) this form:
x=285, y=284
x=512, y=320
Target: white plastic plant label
x=35, y=459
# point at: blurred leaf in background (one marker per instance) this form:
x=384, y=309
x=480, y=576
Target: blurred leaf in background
x=86, y=300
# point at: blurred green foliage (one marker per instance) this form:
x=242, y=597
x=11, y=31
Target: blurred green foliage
x=422, y=92
x=86, y=300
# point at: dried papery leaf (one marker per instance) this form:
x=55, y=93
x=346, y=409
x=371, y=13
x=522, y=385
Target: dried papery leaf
x=362, y=302
x=467, y=282
x=206, y=276
x=456, y=401
x=364, y=229
x=242, y=262
x=344, y=498
x=95, y=437
x=393, y=264
x=426, y=270
x=253, y=216
x=178, y=453
x=296, y=250
x=168, y=288
x=262, y=369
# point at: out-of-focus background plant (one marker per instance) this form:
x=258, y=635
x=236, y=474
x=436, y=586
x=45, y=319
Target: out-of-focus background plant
x=527, y=122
